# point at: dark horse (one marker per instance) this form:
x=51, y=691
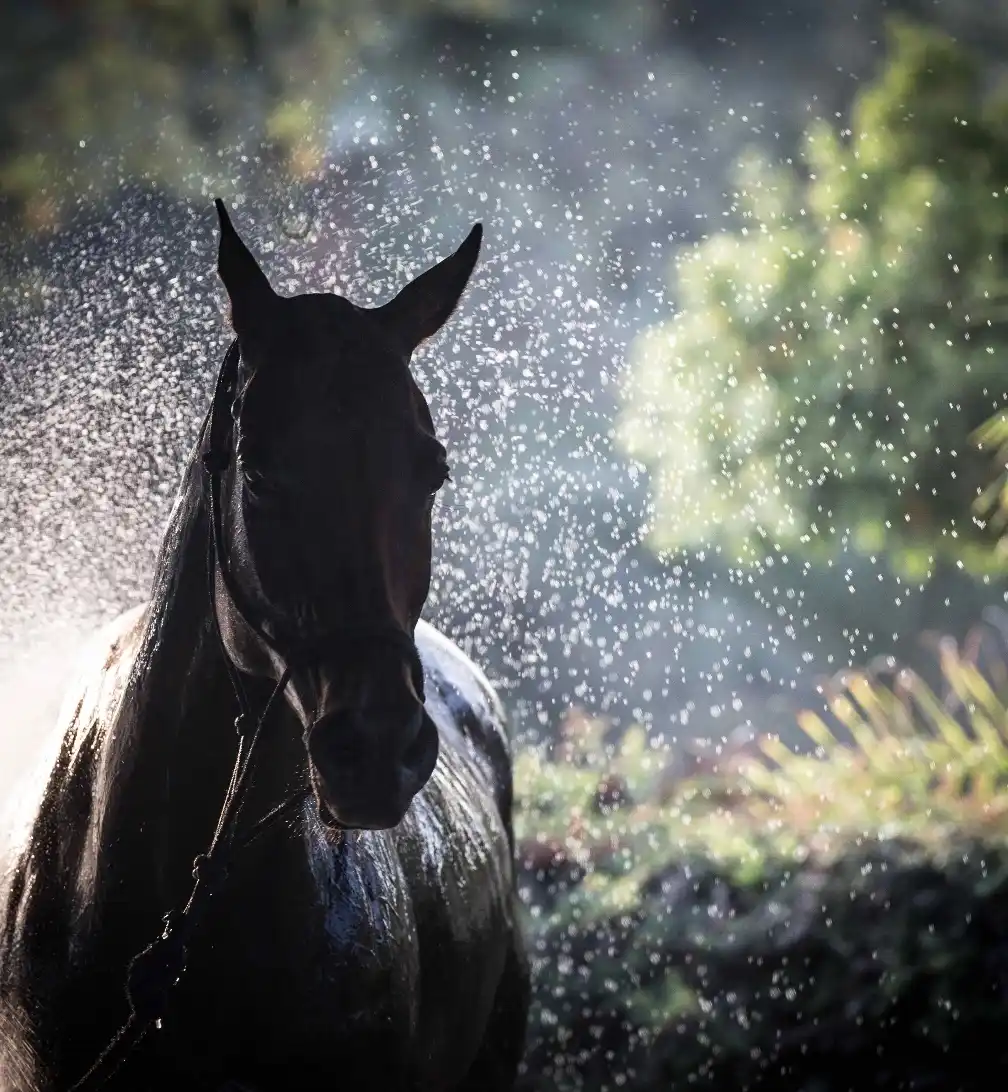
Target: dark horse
x=368, y=929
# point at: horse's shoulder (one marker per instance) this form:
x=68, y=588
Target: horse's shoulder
x=464, y=703
x=472, y=705
x=462, y=684
x=99, y=675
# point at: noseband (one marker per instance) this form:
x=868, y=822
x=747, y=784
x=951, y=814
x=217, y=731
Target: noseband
x=154, y=971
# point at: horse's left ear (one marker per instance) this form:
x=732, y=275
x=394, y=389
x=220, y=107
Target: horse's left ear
x=247, y=286
x=426, y=304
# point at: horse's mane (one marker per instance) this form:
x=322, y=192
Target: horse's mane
x=20, y=1067
x=176, y=625
x=175, y=614
x=177, y=594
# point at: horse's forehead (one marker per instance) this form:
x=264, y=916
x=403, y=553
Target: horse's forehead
x=322, y=356
x=321, y=342
x=315, y=319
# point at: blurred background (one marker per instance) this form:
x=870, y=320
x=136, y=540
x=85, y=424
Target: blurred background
x=711, y=402
x=726, y=410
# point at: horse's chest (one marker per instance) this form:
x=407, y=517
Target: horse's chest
x=301, y=960
x=362, y=920
x=386, y=948
x=455, y=848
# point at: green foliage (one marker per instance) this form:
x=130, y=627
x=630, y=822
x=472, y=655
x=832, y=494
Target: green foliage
x=175, y=92
x=833, y=355
x=712, y=918
x=161, y=91
x=992, y=503
x=183, y=95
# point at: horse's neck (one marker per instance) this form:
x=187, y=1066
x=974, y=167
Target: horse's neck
x=173, y=746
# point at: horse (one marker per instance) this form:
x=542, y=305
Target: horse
x=353, y=914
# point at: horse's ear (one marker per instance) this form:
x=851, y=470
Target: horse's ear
x=426, y=304
x=247, y=286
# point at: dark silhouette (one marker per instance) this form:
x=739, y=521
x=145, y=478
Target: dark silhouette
x=354, y=917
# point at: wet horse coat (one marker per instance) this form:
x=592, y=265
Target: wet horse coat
x=332, y=951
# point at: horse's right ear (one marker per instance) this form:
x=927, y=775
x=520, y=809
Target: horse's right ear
x=426, y=304
x=247, y=286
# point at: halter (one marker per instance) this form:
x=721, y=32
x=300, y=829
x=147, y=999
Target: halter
x=296, y=650
x=157, y=968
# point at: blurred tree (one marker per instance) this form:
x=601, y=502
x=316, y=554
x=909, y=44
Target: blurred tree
x=160, y=91
x=179, y=94
x=834, y=353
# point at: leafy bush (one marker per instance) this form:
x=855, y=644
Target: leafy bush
x=829, y=917
x=992, y=503
x=834, y=352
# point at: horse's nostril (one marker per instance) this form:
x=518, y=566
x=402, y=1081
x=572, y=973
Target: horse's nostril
x=371, y=737
x=368, y=764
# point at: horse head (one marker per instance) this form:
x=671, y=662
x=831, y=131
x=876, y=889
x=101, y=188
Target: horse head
x=324, y=555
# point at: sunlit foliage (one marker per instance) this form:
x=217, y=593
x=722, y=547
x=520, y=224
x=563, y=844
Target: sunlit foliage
x=992, y=503
x=668, y=911
x=834, y=352
x=154, y=92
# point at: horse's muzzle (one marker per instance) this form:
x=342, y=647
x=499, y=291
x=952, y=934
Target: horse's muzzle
x=366, y=765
